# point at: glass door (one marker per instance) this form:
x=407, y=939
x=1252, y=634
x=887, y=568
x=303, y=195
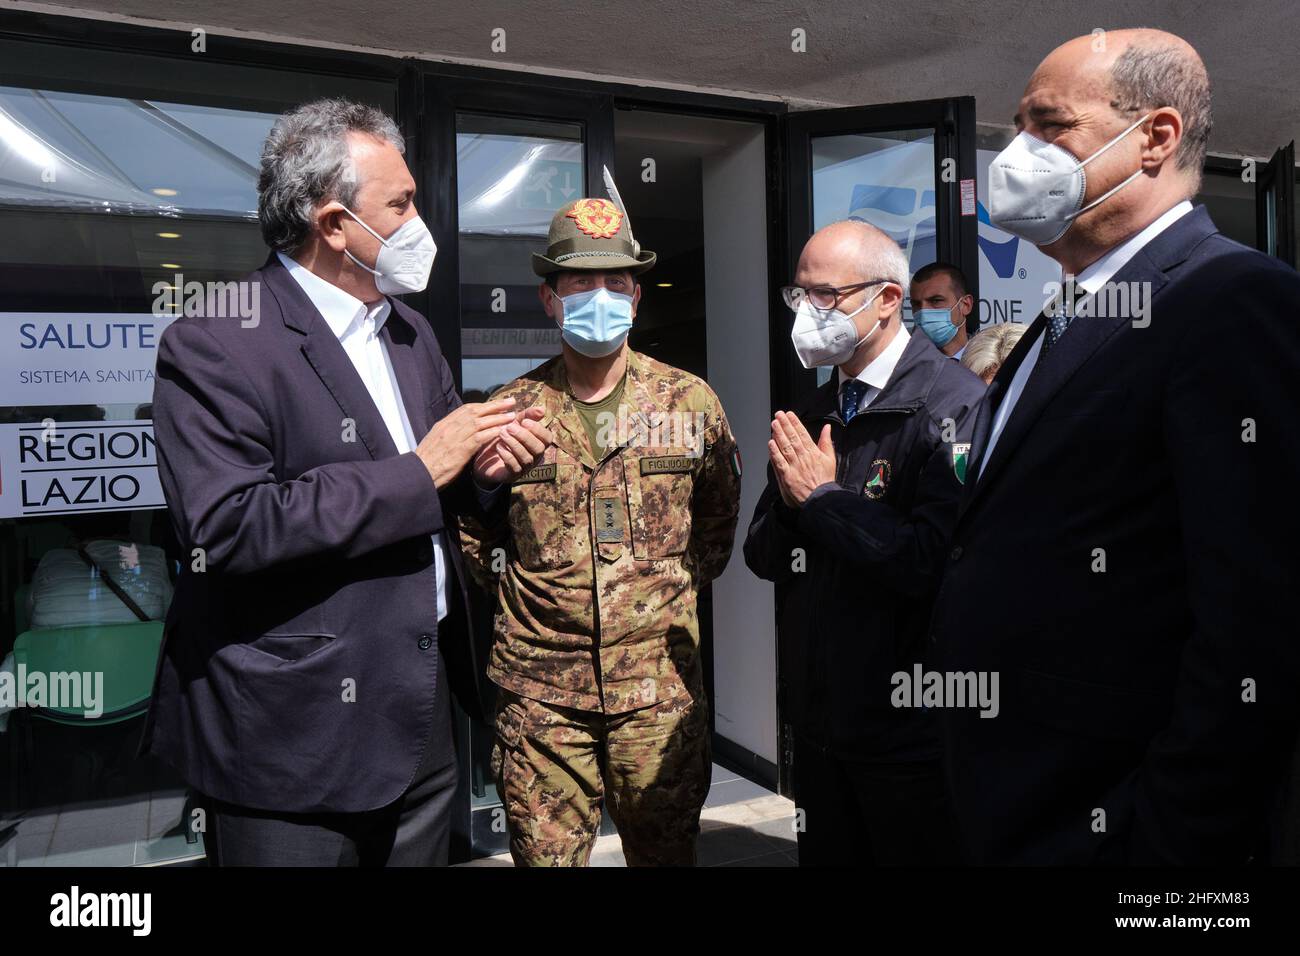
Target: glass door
x=907, y=168
x=1275, y=220
x=499, y=159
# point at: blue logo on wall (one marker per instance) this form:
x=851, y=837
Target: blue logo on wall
x=1001, y=255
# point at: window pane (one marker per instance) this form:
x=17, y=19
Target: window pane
x=886, y=179
x=512, y=176
x=111, y=205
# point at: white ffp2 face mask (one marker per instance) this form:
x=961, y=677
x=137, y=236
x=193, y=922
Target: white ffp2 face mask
x=405, y=258
x=1036, y=188
x=830, y=338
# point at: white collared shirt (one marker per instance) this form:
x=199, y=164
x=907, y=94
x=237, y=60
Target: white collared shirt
x=1089, y=281
x=357, y=327
x=878, y=371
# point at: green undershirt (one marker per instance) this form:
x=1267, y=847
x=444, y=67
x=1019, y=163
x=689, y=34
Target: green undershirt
x=591, y=412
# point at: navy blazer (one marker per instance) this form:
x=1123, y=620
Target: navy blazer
x=319, y=582
x=1124, y=563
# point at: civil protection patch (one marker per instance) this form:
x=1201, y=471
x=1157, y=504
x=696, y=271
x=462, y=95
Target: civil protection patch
x=877, y=480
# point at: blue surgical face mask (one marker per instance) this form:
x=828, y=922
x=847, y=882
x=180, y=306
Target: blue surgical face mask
x=596, y=322
x=937, y=324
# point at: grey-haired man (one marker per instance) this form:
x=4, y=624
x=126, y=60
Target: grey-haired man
x=312, y=462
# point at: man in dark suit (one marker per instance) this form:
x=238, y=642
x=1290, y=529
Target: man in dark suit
x=852, y=529
x=313, y=458
x=1133, y=473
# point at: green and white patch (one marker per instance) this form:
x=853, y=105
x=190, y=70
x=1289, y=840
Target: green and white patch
x=960, y=455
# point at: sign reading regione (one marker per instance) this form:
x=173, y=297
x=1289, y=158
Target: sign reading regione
x=78, y=358
x=68, y=467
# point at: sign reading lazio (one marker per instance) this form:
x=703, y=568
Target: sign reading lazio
x=78, y=358
x=69, y=467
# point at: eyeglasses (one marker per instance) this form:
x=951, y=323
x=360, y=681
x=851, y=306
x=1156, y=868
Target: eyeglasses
x=823, y=298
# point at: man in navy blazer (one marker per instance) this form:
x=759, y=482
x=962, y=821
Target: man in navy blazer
x=313, y=459
x=1131, y=493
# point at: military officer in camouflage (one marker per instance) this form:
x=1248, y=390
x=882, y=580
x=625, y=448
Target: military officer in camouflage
x=596, y=560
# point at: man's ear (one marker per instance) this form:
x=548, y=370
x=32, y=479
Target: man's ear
x=544, y=293
x=891, y=298
x=965, y=307
x=1166, y=133
x=329, y=224
x=636, y=295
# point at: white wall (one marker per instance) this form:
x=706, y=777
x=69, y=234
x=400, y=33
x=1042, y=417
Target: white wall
x=735, y=261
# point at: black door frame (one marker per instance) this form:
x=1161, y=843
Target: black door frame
x=952, y=121
x=432, y=120
x=1275, y=185
x=434, y=95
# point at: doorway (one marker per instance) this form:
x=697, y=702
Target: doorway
x=696, y=192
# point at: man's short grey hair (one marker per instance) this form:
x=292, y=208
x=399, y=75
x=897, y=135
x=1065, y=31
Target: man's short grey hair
x=1150, y=74
x=306, y=161
x=880, y=256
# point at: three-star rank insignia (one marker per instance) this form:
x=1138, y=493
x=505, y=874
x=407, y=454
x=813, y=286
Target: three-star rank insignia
x=598, y=218
x=877, y=480
x=960, y=456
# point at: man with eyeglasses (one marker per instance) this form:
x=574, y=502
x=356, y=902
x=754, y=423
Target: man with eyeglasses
x=852, y=528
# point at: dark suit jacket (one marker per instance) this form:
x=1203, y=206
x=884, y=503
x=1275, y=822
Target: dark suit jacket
x=319, y=566
x=1122, y=690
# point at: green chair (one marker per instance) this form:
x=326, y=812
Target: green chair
x=126, y=654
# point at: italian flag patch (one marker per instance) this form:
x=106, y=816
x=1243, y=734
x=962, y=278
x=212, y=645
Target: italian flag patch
x=960, y=455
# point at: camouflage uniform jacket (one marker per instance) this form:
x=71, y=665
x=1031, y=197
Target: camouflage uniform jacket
x=600, y=562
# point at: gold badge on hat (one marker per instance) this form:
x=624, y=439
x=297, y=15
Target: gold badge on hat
x=598, y=218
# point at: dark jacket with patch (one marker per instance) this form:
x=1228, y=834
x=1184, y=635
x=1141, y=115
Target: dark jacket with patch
x=856, y=567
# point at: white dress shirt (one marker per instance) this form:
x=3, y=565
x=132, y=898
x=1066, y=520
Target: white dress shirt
x=1089, y=281
x=357, y=327
x=878, y=371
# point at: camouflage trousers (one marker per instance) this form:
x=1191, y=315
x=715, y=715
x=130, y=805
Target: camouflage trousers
x=555, y=766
